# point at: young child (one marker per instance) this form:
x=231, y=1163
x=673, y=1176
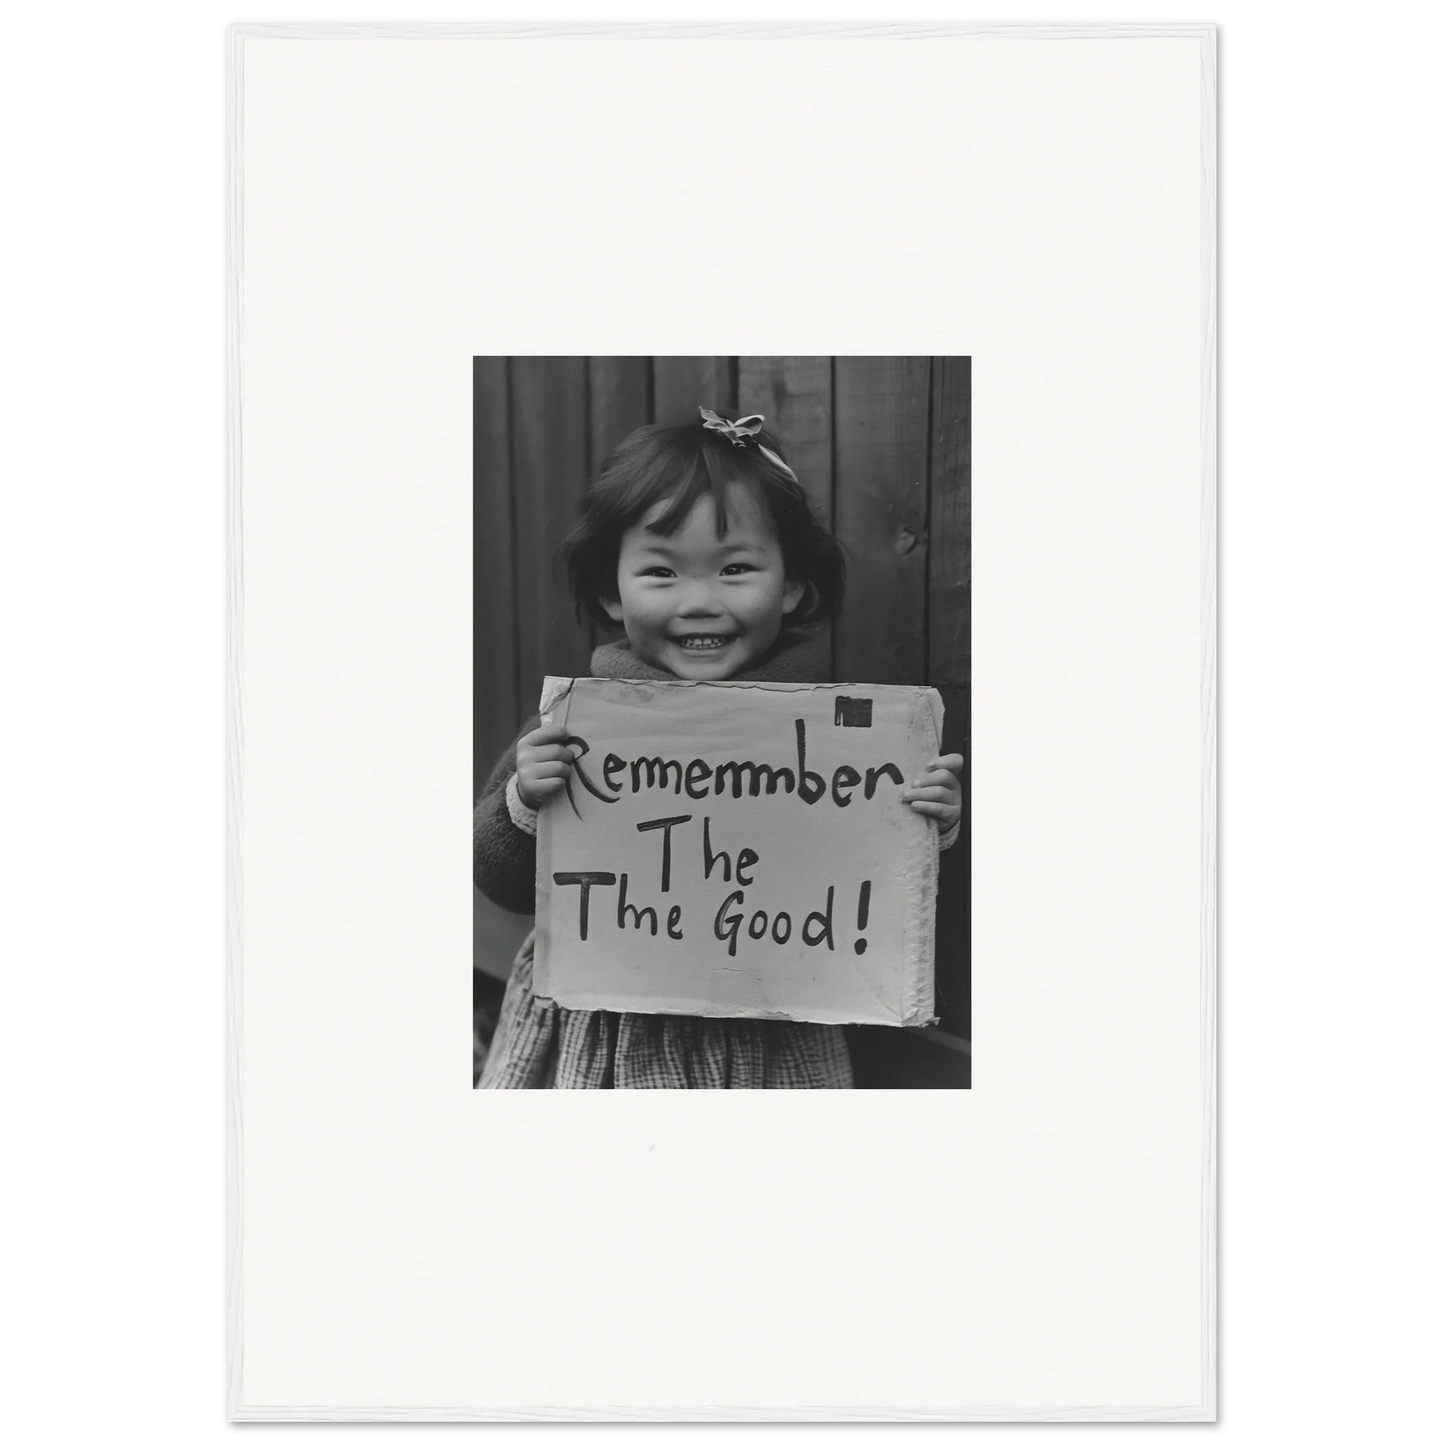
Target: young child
x=699, y=541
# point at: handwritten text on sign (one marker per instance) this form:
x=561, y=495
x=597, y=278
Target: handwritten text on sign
x=738, y=849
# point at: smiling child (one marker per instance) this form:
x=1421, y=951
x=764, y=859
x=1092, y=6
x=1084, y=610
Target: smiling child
x=699, y=541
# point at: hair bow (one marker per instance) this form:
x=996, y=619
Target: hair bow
x=737, y=432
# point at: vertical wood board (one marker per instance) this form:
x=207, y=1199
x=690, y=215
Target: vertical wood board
x=494, y=657
x=681, y=384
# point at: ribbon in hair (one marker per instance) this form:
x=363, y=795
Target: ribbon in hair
x=742, y=430
x=737, y=432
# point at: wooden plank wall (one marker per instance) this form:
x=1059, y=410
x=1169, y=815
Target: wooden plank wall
x=881, y=443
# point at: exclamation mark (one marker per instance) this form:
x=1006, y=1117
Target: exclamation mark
x=867, y=887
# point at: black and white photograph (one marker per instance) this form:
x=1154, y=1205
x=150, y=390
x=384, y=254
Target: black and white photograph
x=730, y=594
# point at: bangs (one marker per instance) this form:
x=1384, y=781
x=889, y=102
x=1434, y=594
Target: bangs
x=708, y=472
x=669, y=470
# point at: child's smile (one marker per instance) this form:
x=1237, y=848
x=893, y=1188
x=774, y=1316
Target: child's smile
x=698, y=605
x=704, y=641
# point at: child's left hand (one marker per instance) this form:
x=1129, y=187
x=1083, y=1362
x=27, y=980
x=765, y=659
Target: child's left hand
x=938, y=793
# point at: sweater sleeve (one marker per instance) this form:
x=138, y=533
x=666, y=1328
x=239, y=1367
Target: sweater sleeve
x=504, y=857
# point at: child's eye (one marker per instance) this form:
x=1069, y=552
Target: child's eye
x=736, y=569
x=657, y=572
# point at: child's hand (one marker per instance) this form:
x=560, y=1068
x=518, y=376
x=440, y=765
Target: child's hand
x=544, y=766
x=938, y=792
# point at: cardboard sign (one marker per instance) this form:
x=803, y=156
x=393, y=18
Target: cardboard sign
x=740, y=850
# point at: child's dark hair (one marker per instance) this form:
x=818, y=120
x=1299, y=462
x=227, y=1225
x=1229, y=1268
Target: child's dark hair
x=682, y=464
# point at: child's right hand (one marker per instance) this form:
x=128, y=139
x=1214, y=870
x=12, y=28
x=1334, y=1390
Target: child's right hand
x=544, y=766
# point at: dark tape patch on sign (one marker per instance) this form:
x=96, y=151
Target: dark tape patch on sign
x=853, y=712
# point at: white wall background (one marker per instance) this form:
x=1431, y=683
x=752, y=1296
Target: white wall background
x=1035, y=203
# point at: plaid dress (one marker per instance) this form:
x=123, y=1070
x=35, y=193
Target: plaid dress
x=540, y=1045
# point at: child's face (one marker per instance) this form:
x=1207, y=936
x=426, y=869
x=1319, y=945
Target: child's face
x=699, y=605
